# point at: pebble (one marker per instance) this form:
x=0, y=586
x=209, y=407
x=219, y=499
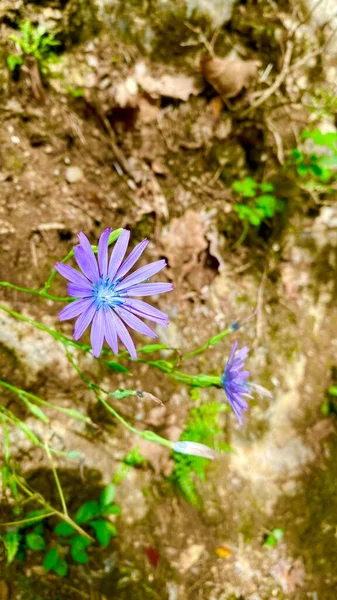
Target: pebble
x=74, y=174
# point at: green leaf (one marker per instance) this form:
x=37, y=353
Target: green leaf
x=267, y=204
x=39, y=529
x=302, y=170
x=152, y=348
x=78, y=545
x=87, y=511
x=111, y=509
x=134, y=457
x=115, y=366
x=64, y=529
x=278, y=533
x=35, y=541
x=266, y=187
x=61, y=567
x=103, y=530
x=51, y=558
x=11, y=540
x=120, y=394
x=332, y=390
x=107, y=495
x=270, y=541
x=13, y=61
x=36, y=411
x=246, y=187
x=5, y=475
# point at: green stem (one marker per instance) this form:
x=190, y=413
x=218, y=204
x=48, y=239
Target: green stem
x=211, y=342
x=50, y=508
x=41, y=293
x=145, y=435
x=23, y=521
x=57, y=481
x=68, y=411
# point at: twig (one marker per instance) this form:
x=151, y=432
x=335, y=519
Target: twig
x=279, y=79
x=259, y=302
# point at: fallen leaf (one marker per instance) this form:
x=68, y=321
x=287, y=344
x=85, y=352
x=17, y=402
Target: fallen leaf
x=229, y=76
x=223, y=551
x=176, y=85
x=153, y=555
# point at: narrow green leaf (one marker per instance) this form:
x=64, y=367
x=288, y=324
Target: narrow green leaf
x=107, y=495
x=36, y=411
x=152, y=348
x=120, y=394
x=115, y=366
x=11, y=540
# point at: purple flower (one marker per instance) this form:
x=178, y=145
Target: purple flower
x=234, y=380
x=106, y=298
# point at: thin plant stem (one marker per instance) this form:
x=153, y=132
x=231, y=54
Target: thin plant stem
x=23, y=521
x=57, y=481
x=50, y=508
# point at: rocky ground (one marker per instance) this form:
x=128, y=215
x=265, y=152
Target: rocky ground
x=127, y=132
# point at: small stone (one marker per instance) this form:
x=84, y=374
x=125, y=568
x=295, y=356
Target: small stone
x=190, y=556
x=74, y=174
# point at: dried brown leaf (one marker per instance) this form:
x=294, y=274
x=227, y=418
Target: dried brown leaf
x=229, y=77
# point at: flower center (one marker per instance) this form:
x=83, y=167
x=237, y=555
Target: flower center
x=104, y=293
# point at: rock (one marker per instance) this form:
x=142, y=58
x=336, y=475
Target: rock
x=190, y=556
x=74, y=174
x=217, y=12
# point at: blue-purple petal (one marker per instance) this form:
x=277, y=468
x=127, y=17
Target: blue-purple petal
x=124, y=336
x=135, y=323
x=91, y=259
x=74, y=309
x=118, y=253
x=149, y=289
x=141, y=274
x=97, y=333
x=131, y=260
x=103, y=245
x=86, y=264
x=71, y=274
x=146, y=311
x=79, y=291
x=110, y=330
x=84, y=320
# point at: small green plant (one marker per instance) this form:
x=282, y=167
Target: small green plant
x=36, y=42
x=274, y=537
x=93, y=516
x=314, y=167
x=258, y=201
x=202, y=426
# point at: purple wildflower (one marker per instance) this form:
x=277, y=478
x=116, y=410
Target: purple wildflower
x=234, y=380
x=105, y=297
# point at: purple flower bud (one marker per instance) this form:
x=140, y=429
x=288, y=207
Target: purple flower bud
x=194, y=448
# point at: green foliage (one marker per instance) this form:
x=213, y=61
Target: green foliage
x=275, y=536
x=36, y=42
x=259, y=204
x=316, y=167
x=32, y=536
x=11, y=540
x=202, y=426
